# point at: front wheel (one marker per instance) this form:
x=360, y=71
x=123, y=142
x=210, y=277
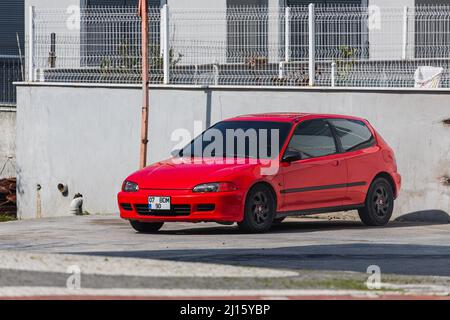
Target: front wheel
x=259, y=210
x=146, y=227
x=379, y=204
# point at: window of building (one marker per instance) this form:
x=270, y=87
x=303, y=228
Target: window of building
x=336, y=36
x=432, y=30
x=11, y=25
x=313, y=139
x=116, y=42
x=247, y=38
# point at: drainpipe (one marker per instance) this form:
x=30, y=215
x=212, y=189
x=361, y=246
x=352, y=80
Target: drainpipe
x=76, y=206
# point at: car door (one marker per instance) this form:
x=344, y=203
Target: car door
x=361, y=152
x=319, y=179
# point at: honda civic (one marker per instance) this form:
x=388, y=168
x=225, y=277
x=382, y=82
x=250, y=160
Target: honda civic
x=256, y=170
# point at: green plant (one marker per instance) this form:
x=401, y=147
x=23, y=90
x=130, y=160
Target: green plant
x=105, y=63
x=127, y=56
x=7, y=218
x=157, y=60
x=346, y=61
x=129, y=65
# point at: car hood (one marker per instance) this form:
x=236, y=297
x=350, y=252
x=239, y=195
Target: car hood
x=185, y=175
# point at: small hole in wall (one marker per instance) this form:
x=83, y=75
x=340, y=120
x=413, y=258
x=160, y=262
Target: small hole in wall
x=446, y=121
x=63, y=189
x=446, y=181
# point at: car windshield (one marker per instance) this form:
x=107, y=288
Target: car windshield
x=240, y=139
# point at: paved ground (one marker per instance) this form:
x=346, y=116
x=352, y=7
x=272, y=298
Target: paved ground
x=299, y=258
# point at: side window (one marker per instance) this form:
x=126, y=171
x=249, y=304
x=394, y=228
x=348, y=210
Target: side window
x=353, y=134
x=313, y=139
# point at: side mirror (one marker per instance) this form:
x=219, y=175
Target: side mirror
x=177, y=153
x=292, y=156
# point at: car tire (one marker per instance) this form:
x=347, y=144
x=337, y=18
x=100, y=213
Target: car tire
x=146, y=227
x=379, y=205
x=259, y=212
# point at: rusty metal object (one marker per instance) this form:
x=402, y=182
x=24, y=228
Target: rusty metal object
x=143, y=12
x=8, y=198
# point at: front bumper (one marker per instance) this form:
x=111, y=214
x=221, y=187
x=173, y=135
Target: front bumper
x=197, y=207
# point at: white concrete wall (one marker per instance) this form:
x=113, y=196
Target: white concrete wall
x=89, y=137
x=7, y=142
x=275, y=31
x=386, y=32
x=198, y=31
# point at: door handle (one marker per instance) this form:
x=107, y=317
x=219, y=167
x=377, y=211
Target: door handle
x=335, y=163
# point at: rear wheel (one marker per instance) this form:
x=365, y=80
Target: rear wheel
x=259, y=210
x=379, y=204
x=146, y=227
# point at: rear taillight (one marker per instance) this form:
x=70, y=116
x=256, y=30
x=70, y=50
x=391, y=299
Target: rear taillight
x=389, y=157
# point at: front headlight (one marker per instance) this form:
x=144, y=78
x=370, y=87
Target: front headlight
x=215, y=187
x=129, y=186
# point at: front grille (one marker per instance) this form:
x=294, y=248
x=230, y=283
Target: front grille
x=175, y=210
x=205, y=207
x=126, y=206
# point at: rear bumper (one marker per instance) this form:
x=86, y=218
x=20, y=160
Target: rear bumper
x=220, y=207
x=398, y=183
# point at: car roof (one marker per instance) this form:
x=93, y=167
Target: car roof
x=288, y=117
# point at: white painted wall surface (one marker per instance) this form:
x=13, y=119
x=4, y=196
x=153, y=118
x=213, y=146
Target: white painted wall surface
x=386, y=32
x=7, y=142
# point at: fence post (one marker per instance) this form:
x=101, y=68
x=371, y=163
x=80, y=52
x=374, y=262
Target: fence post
x=52, y=53
x=31, y=35
x=216, y=74
x=312, y=45
x=287, y=34
x=165, y=43
x=281, y=69
x=333, y=74
x=405, y=33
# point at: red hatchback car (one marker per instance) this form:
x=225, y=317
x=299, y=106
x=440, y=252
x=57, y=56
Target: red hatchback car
x=273, y=166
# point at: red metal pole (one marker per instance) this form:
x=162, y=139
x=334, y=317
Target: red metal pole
x=143, y=10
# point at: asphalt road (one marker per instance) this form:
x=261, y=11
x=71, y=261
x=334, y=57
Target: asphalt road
x=299, y=253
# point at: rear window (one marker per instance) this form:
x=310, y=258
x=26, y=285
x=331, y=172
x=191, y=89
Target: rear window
x=353, y=134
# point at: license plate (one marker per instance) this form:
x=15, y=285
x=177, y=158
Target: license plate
x=159, y=203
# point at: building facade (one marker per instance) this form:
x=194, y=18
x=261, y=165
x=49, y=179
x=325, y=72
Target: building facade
x=11, y=48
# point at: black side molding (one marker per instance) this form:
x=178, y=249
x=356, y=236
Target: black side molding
x=332, y=186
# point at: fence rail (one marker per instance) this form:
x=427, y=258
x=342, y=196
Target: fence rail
x=293, y=46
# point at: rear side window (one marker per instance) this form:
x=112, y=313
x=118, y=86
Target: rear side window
x=313, y=139
x=353, y=134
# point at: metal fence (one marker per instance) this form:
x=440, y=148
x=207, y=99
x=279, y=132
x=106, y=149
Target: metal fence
x=331, y=45
x=11, y=70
